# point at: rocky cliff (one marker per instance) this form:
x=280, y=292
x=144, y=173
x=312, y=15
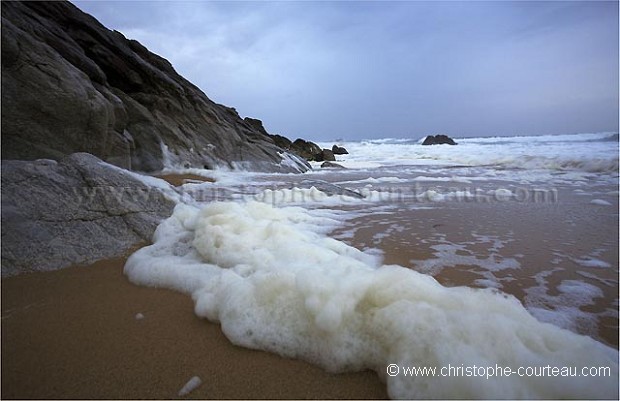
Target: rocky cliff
x=71, y=85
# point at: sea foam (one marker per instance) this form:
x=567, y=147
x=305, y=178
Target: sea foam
x=591, y=153
x=275, y=281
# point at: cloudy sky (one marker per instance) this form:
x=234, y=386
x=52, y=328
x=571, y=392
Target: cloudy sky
x=324, y=70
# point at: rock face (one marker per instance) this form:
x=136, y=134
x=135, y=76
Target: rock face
x=71, y=85
x=438, y=140
x=76, y=211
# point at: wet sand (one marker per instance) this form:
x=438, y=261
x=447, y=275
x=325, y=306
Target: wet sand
x=73, y=333
x=545, y=238
x=177, y=180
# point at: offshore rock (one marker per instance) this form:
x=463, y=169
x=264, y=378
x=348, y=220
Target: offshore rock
x=71, y=85
x=325, y=155
x=438, y=140
x=332, y=165
x=306, y=149
x=339, y=150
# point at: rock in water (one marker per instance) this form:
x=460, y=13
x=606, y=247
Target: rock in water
x=325, y=155
x=438, y=140
x=332, y=165
x=339, y=150
x=310, y=151
x=71, y=85
x=76, y=211
x=306, y=149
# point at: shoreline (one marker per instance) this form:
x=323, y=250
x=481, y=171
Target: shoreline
x=73, y=333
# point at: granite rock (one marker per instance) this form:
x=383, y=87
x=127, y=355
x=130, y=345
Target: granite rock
x=76, y=211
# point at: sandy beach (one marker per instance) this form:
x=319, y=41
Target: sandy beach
x=177, y=180
x=77, y=332
x=73, y=333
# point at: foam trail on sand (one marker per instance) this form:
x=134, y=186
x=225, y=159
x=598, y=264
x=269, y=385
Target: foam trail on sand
x=275, y=281
x=191, y=385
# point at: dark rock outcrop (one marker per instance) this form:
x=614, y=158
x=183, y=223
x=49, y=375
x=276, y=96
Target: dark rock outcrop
x=279, y=140
x=306, y=149
x=438, y=140
x=71, y=85
x=310, y=151
x=325, y=155
x=76, y=211
x=331, y=165
x=339, y=150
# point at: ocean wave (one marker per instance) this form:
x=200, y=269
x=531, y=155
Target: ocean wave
x=590, y=153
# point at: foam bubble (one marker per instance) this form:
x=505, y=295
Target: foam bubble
x=191, y=385
x=465, y=180
x=592, y=262
x=275, y=281
x=567, y=305
x=600, y=202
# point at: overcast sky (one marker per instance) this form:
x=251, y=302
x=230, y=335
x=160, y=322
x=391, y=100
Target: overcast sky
x=325, y=70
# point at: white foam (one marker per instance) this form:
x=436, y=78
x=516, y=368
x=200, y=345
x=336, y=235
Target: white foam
x=528, y=158
x=486, y=283
x=591, y=262
x=292, y=161
x=139, y=316
x=451, y=255
x=191, y=385
x=604, y=281
x=422, y=178
x=600, y=202
x=276, y=282
x=378, y=180
x=313, y=196
x=302, y=196
x=566, y=311
x=584, y=292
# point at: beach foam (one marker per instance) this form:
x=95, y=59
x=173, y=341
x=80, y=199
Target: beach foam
x=275, y=281
x=191, y=385
x=600, y=202
x=566, y=311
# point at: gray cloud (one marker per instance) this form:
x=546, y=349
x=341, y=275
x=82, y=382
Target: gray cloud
x=325, y=70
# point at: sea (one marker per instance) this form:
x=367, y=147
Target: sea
x=492, y=264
